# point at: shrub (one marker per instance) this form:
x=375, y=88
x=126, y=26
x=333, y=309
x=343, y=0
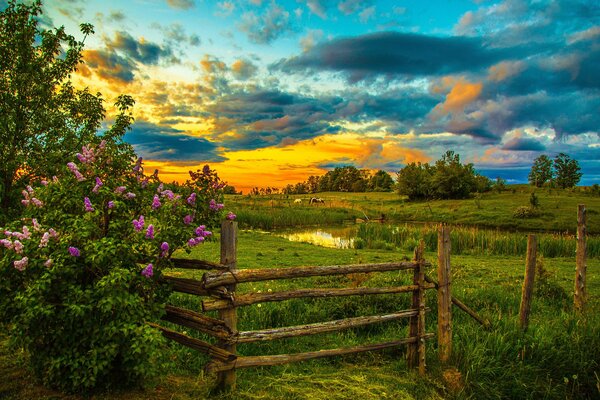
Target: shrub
x=80, y=272
x=525, y=212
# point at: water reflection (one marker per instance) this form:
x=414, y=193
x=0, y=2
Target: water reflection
x=339, y=238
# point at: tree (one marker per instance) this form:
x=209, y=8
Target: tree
x=452, y=180
x=43, y=118
x=541, y=171
x=414, y=181
x=566, y=171
x=381, y=181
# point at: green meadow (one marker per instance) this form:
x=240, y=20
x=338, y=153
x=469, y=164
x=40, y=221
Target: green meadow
x=556, y=358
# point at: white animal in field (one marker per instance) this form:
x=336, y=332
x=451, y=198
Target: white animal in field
x=298, y=201
x=316, y=200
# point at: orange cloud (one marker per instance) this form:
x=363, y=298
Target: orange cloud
x=461, y=94
x=505, y=69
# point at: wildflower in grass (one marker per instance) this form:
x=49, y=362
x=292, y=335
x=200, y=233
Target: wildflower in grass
x=74, y=251
x=191, y=200
x=120, y=189
x=88, y=204
x=188, y=219
x=164, y=247
x=21, y=264
x=48, y=263
x=231, y=216
x=18, y=246
x=150, y=232
x=44, y=240
x=110, y=204
x=98, y=185
x=148, y=271
x=138, y=224
x=155, y=202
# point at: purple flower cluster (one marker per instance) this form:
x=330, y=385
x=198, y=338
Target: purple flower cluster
x=231, y=216
x=120, y=189
x=188, y=219
x=138, y=166
x=168, y=193
x=148, y=271
x=21, y=264
x=156, y=202
x=138, y=224
x=192, y=199
x=44, y=240
x=150, y=232
x=110, y=204
x=26, y=234
x=87, y=155
x=201, y=234
x=88, y=204
x=30, y=200
x=98, y=185
x=75, y=171
x=74, y=251
x=164, y=249
x=213, y=205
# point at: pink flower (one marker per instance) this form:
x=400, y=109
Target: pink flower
x=88, y=204
x=164, y=247
x=75, y=171
x=195, y=241
x=139, y=224
x=36, y=202
x=230, y=216
x=36, y=226
x=192, y=199
x=6, y=243
x=120, y=189
x=168, y=193
x=48, y=263
x=44, y=240
x=18, y=246
x=21, y=264
x=53, y=233
x=155, y=202
x=110, y=204
x=74, y=251
x=150, y=232
x=129, y=195
x=138, y=165
x=44, y=182
x=213, y=205
x=148, y=271
x=98, y=185
x=188, y=219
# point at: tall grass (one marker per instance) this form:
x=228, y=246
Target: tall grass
x=269, y=219
x=471, y=240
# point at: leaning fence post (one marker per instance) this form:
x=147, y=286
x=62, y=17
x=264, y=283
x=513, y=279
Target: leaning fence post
x=580, y=271
x=226, y=379
x=527, y=291
x=444, y=295
x=417, y=322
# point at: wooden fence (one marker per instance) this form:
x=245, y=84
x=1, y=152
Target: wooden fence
x=219, y=285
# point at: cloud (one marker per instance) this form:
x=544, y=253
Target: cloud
x=109, y=66
x=175, y=36
x=318, y=7
x=265, y=28
x=367, y=14
x=523, y=144
x=225, y=8
x=181, y=4
x=311, y=39
x=394, y=54
x=348, y=7
x=139, y=50
x=162, y=143
x=243, y=69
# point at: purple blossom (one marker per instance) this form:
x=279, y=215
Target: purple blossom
x=213, y=205
x=36, y=225
x=230, y=216
x=87, y=156
x=98, y=185
x=25, y=194
x=160, y=188
x=26, y=233
x=48, y=263
x=164, y=247
x=74, y=251
x=88, y=204
x=145, y=183
x=200, y=229
x=110, y=204
x=192, y=199
x=44, y=182
x=150, y=232
x=53, y=233
x=29, y=189
x=138, y=165
x=195, y=241
x=18, y=246
x=6, y=243
x=168, y=193
x=188, y=219
x=155, y=202
x=120, y=189
x=37, y=202
x=21, y=264
x=148, y=271
x=139, y=224
x=129, y=195
x=75, y=171
x=44, y=240
x=25, y=202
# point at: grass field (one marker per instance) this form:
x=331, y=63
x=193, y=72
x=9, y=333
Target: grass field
x=557, y=211
x=556, y=358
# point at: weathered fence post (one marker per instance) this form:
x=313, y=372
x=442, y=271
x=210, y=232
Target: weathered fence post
x=444, y=295
x=416, y=350
x=580, y=290
x=226, y=379
x=526, y=294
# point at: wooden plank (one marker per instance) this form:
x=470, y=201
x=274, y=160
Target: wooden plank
x=413, y=328
x=226, y=380
x=463, y=306
x=213, y=279
x=257, y=361
x=527, y=292
x=196, y=344
x=321, y=327
x=421, y=302
x=580, y=296
x=194, y=320
x=444, y=295
x=186, y=285
x=253, y=298
x=185, y=263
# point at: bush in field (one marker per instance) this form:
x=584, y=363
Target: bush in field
x=79, y=274
x=525, y=212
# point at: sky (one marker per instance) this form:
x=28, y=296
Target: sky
x=269, y=92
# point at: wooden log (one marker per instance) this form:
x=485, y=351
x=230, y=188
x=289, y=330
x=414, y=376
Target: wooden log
x=213, y=279
x=226, y=380
x=186, y=285
x=580, y=296
x=321, y=327
x=194, y=320
x=412, y=353
x=253, y=298
x=185, y=263
x=421, y=302
x=257, y=361
x=486, y=324
x=444, y=295
x=196, y=344
x=527, y=292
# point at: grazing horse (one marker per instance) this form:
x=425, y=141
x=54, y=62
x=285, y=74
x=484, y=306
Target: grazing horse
x=316, y=200
x=298, y=201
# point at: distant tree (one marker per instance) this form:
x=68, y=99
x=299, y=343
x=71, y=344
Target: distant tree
x=499, y=185
x=44, y=120
x=541, y=171
x=414, y=181
x=452, y=179
x=381, y=181
x=566, y=171
x=228, y=189
x=312, y=184
x=482, y=184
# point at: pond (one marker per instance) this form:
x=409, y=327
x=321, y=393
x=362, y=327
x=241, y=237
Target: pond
x=341, y=237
